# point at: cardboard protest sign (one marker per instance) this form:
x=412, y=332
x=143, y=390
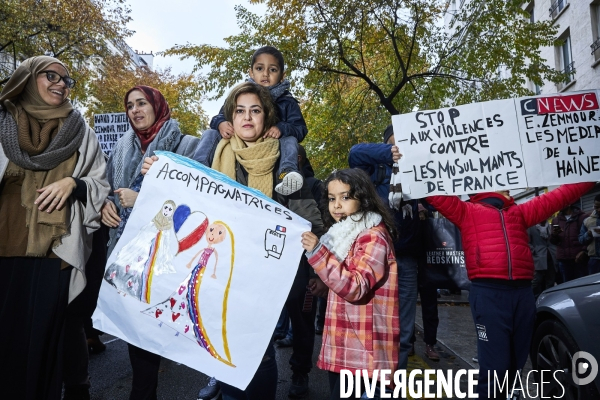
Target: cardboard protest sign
x=499, y=145
x=559, y=137
x=201, y=271
x=109, y=129
x=459, y=150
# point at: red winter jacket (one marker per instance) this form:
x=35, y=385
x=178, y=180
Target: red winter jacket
x=495, y=241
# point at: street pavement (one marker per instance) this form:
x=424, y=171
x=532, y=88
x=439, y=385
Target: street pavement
x=457, y=344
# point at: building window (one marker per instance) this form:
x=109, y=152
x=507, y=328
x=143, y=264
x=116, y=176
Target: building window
x=534, y=87
x=595, y=14
x=556, y=7
x=565, y=60
x=529, y=10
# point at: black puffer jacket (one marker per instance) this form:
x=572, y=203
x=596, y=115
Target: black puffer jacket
x=567, y=241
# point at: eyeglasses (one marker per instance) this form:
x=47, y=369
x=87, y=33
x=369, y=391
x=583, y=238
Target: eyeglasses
x=54, y=77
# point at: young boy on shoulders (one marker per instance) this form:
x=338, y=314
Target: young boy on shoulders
x=267, y=69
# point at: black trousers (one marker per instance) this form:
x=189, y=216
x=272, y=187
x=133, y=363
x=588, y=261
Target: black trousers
x=33, y=301
x=145, y=367
x=542, y=280
x=429, y=312
x=76, y=359
x=504, y=317
x=302, y=307
x=79, y=313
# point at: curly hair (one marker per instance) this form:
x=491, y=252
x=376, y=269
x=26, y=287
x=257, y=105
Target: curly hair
x=263, y=95
x=363, y=190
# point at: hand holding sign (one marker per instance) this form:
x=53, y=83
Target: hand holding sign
x=500, y=145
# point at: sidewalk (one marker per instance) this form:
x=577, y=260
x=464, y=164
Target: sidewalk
x=457, y=345
x=456, y=331
x=456, y=335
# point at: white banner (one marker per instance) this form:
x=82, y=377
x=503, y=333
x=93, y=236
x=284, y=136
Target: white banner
x=502, y=144
x=202, y=270
x=109, y=128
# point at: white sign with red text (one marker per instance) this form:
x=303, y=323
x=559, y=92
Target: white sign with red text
x=500, y=145
x=559, y=138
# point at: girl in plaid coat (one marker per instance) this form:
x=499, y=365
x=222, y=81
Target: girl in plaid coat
x=356, y=260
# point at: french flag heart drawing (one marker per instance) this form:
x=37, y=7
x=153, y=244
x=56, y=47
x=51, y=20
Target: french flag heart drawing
x=189, y=226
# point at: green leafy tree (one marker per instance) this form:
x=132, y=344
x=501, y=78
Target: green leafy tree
x=355, y=63
x=78, y=32
x=182, y=92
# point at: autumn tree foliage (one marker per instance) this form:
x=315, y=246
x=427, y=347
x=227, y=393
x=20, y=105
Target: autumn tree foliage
x=78, y=32
x=183, y=92
x=355, y=63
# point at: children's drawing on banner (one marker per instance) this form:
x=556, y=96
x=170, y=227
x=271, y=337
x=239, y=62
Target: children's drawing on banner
x=182, y=311
x=189, y=227
x=148, y=254
x=151, y=252
x=274, y=241
x=208, y=314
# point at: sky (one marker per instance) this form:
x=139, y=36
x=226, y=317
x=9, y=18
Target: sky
x=161, y=24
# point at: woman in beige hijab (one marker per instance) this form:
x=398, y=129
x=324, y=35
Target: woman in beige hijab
x=52, y=189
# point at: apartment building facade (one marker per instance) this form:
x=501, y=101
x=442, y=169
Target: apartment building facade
x=578, y=55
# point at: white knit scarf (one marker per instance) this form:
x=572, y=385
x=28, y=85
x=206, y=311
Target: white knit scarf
x=342, y=235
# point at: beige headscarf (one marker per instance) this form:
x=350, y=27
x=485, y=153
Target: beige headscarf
x=161, y=222
x=37, y=124
x=22, y=90
x=258, y=160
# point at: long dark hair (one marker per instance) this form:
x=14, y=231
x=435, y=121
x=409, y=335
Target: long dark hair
x=361, y=189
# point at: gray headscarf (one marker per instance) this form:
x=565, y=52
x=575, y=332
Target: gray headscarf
x=125, y=164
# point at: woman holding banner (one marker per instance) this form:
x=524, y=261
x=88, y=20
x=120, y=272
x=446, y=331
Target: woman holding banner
x=152, y=129
x=251, y=159
x=53, y=186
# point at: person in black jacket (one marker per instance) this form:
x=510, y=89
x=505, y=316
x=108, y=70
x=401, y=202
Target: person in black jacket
x=571, y=254
x=301, y=304
x=377, y=159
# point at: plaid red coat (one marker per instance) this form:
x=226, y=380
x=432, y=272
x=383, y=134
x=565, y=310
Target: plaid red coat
x=362, y=327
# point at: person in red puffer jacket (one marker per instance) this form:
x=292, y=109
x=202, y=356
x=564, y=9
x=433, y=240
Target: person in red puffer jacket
x=500, y=266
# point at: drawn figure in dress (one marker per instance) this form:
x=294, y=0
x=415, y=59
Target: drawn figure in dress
x=182, y=311
x=146, y=255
